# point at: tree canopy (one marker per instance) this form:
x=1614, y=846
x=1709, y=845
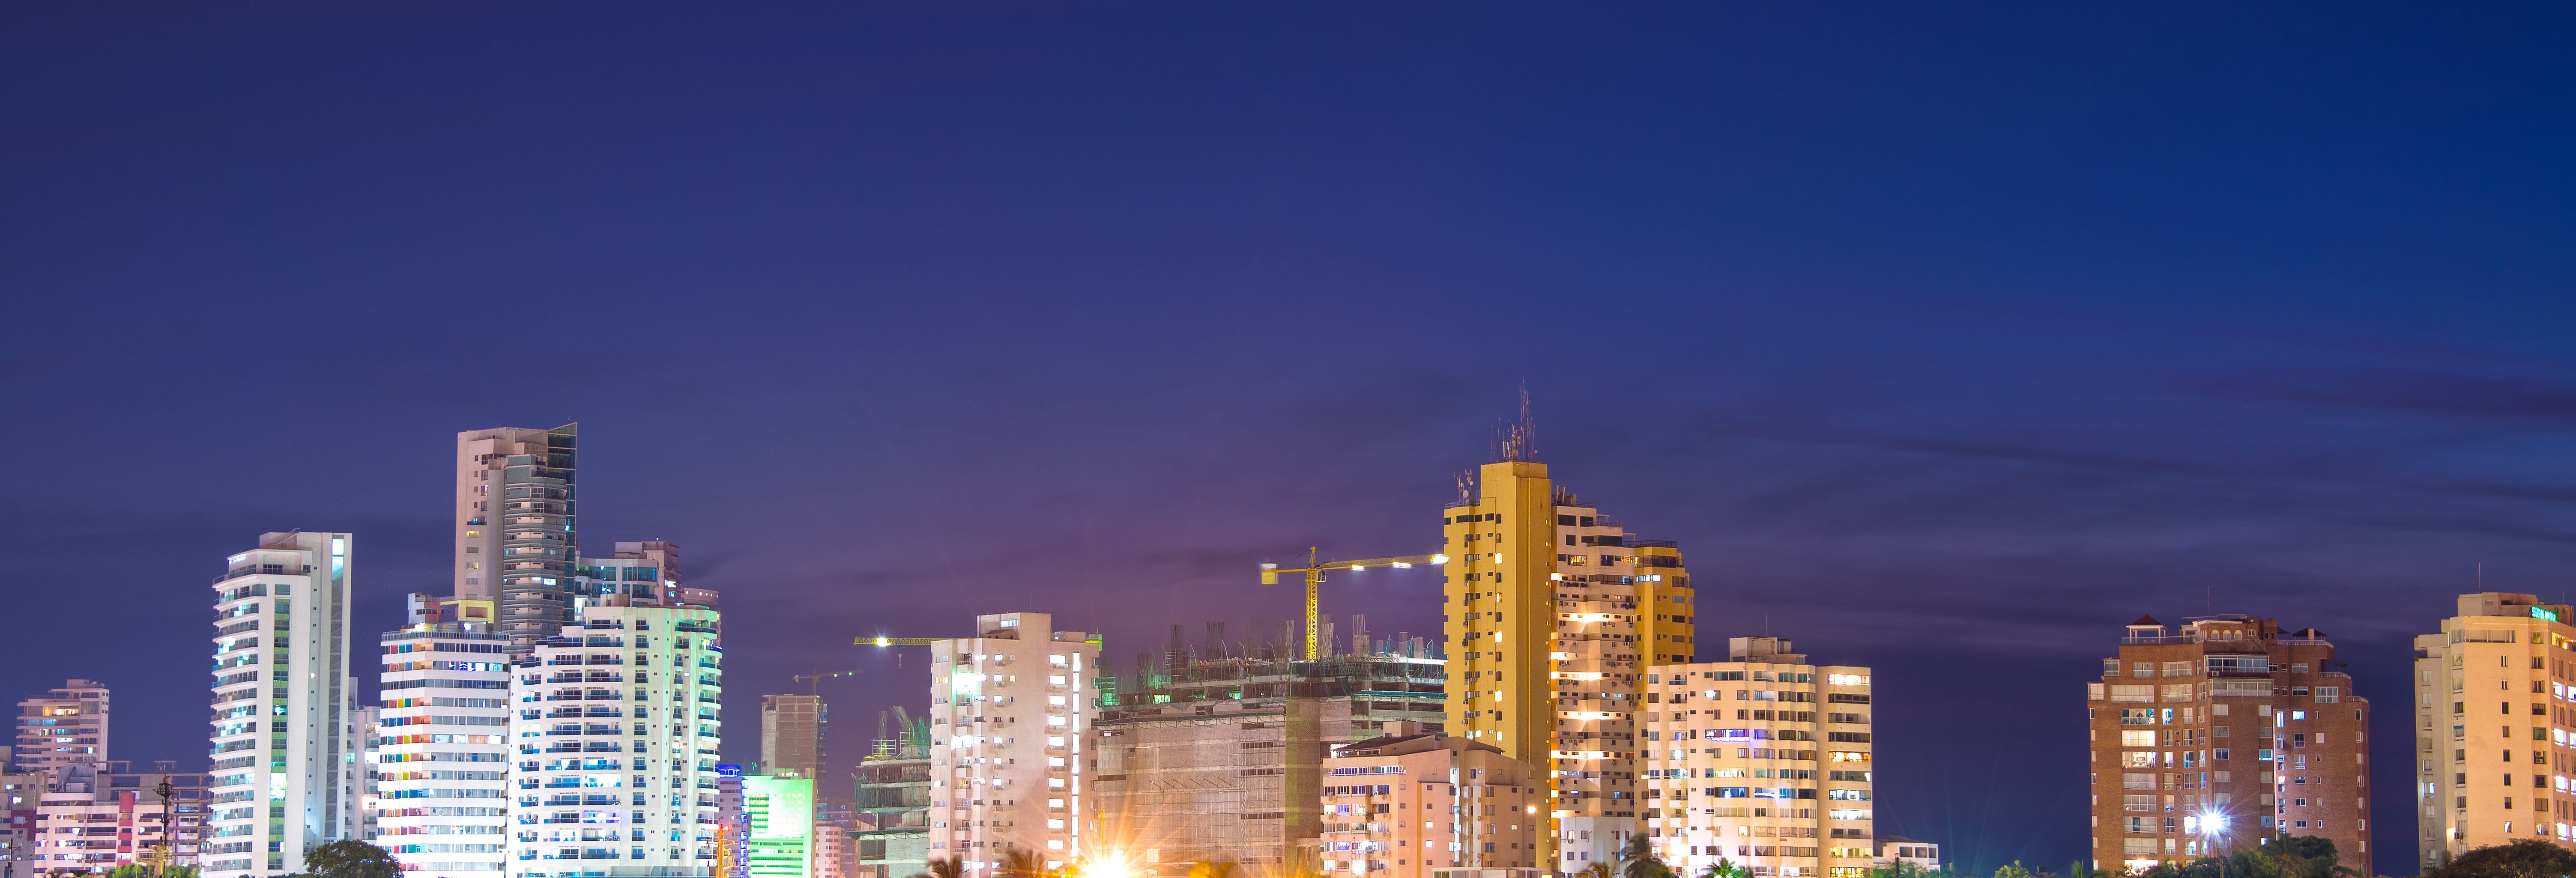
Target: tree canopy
x=349, y=858
x=2525, y=858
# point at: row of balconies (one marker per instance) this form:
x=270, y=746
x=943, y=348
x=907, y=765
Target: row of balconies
x=577, y=677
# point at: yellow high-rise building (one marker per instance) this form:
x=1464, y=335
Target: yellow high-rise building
x=1553, y=613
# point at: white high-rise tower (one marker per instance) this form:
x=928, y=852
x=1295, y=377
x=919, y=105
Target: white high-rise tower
x=285, y=746
x=442, y=749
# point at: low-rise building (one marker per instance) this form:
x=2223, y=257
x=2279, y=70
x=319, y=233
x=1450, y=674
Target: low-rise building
x=1894, y=849
x=93, y=818
x=1412, y=803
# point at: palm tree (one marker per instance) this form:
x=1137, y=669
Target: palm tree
x=1723, y=868
x=1022, y=863
x=1639, y=860
x=944, y=867
x=1598, y=870
x=1213, y=869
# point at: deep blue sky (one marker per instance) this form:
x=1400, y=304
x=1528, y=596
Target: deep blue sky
x=1944, y=341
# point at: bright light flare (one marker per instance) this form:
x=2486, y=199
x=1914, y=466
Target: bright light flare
x=884, y=642
x=1439, y=559
x=1107, y=866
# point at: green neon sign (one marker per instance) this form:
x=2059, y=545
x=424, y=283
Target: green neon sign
x=2544, y=614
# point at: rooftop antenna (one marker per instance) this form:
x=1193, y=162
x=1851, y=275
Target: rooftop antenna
x=1521, y=442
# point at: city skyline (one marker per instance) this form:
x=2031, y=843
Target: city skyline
x=1287, y=637
x=1937, y=338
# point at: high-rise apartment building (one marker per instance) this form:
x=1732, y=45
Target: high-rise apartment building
x=791, y=735
x=2221, y=735
x=1010, y=709
x=778, y=826
x=97, y=816
x=285, y=760
x=1411, y=803
x=2509, y=652
x=517, y=540
x=615, y=726
x=364, y=718
x=1555, y=614
x=1762, y=761
x=442, y=749
x=68, y=725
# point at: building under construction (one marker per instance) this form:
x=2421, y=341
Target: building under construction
x=890, y=837
x=1215, y=752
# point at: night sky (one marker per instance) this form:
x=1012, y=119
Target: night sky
x=1944, y=343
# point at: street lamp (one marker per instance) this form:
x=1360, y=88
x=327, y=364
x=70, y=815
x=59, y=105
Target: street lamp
x=169, y=829
x=2213, y=828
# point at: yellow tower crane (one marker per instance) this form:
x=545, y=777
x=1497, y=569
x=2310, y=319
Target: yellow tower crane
x=899, y=641
x=1314, y=571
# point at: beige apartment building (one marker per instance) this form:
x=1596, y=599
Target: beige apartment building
x=1554, y=616
x=1413, y=803
x=1010, y=708
x=2218, y=736
x=66, y=726
x=516, y=530
x=1761, y=762
x=2501, y=663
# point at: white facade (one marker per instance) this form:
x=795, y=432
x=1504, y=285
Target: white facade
x=615, y=727
x=285, y=760
x=366, y=723
x=441, y=750
x=66, y=726
x=1009, y=710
